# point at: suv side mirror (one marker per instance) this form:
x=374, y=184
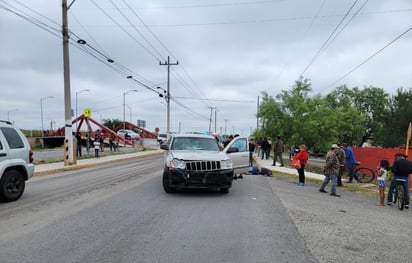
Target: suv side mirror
x=232, y=150
x=164, y=147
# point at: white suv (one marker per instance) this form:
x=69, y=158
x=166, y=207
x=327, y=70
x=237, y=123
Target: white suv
x=16, y=159
x=161, y=138
x=195, y=161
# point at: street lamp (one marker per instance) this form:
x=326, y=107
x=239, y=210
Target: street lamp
x=8, y=114
x=78, y=92
x=124, y=103
x=41, y=112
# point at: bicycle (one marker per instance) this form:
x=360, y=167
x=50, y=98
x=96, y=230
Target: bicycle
x=364, y=174
x=399, y=193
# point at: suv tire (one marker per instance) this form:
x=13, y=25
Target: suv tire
x=166, y=184
x=12, y=186
x=224, y=190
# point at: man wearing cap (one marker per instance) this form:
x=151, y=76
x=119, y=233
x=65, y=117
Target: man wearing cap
x=331, y=170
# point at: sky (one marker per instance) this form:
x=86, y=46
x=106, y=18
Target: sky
x=227, y=53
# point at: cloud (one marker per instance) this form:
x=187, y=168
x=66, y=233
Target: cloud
x=228, y=53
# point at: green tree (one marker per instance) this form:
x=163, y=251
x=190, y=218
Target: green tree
x=344, y=115
x=396, y=118
x=112, y=123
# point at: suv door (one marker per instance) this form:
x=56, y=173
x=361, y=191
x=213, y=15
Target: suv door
x=238, y=151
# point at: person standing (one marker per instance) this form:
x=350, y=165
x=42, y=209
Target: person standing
x=229, y=139
x=303, y=157
x=341, y=158
x=96, y=147
x=101, y=141
x=382, y=169
x=79, y=144
x=331, y=170
x=251, y=151
x=350, y=163
x=265, y=149
x=401, y=168
x=278, y=151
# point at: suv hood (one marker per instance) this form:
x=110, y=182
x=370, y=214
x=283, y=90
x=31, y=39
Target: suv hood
x=199, y=155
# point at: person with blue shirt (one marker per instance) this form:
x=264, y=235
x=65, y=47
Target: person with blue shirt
x=350, y=163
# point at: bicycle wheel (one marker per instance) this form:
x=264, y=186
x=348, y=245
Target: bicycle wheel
x=365, y=175
x=395, y=195
x=401, y=196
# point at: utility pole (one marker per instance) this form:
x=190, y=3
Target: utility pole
x=210, y=120
x=168, y=64
x=68, y=148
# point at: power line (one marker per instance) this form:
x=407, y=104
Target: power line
x=320, y=51
x=347, y=23
x=370, y=57
x=216, y=5
x=135, y=28
x=167, y=50
x=124, y=30
x=195, y=98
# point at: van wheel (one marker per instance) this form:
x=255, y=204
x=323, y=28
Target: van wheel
x=12, y=186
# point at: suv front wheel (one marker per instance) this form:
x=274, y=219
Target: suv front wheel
x=166, y=184
x=11, y=186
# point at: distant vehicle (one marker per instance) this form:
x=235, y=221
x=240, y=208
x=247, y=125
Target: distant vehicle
x=128, y=134
x=16, y=159
x=195, y=161
x=162, y=138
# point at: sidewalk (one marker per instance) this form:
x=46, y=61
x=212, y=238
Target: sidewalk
x=45, y=169
x=289, y=170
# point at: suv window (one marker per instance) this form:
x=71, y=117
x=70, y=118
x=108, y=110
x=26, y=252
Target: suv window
x=205, y=144
x=240, y=144
x=12, y=137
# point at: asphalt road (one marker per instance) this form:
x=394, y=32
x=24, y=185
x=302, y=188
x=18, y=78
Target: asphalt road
x=120, y=213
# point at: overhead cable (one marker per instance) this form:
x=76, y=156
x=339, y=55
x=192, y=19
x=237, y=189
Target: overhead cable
x=370, y=57
x=320, y=51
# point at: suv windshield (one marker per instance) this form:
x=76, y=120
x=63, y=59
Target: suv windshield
x=187, y=143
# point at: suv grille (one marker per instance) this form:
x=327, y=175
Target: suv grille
x=203, y=165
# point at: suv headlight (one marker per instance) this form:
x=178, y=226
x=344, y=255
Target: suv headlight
x=226, y=164
x=177, y=163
